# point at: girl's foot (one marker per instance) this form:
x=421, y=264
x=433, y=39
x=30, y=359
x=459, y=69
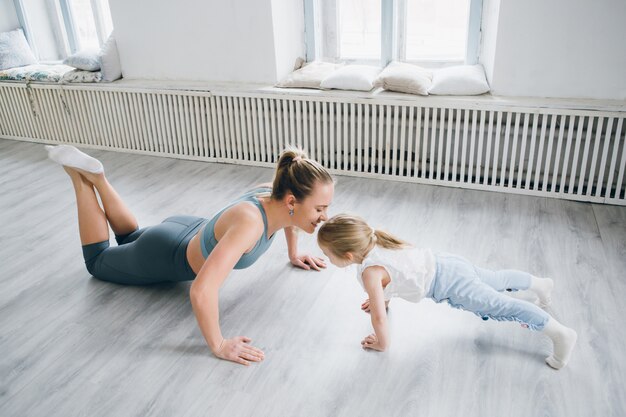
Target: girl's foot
x=563, y=339
x=71, y=157
x=542, y=287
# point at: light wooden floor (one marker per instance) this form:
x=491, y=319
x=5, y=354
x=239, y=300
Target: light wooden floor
x=73, y=346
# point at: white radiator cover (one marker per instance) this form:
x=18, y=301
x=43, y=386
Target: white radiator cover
x=553, y=152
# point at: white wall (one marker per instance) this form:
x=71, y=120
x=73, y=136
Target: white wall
x=288, y=23
x=207, y=40
x=557, y=48
x=8, y=16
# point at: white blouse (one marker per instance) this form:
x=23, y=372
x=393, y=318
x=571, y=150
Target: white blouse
x=411, y=270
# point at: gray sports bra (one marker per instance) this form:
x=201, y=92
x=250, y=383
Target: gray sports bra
x=208, y=241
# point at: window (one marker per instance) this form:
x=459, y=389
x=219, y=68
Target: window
x=87, y=23
x=359, y=29
x=64, y=26
x=436, y=30
x=432, y=32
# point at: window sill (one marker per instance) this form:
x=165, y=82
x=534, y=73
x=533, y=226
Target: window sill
x=376, y=96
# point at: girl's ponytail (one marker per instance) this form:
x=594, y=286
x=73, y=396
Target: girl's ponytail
x=389, y=241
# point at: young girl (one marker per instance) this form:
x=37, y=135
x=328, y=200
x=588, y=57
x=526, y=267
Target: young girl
x=389, y=267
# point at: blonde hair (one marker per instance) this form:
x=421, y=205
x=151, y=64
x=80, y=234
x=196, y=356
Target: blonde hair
x=297, y=174
x=347, y=233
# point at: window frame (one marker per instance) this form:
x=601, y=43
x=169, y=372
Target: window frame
x=321, y=37
x=28, y=34
x=62, y=23
x=70, y=27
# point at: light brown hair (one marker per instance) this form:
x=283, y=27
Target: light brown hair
x=348, y=233
x=297, y=174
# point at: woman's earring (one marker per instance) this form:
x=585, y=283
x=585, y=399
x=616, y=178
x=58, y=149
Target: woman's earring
x=291, y=212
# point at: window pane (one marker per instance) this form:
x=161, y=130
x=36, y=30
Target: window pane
x=359, y=29
x=436, y=29
x=105, y=16
x=84, y=24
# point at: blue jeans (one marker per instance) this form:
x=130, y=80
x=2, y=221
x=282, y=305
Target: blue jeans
x=467, y=287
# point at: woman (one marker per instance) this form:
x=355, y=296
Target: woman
x=191, y=248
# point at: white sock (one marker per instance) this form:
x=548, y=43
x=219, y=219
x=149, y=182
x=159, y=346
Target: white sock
x=70, y=156
x=542, y=287
x=563, y=340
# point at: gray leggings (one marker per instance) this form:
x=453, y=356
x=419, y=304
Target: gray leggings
x=146, y=256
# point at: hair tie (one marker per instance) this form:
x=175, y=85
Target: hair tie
x=297, y=158
x=373, y=234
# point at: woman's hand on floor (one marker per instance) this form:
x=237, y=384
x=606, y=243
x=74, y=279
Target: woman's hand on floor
x=238, y=349
x=307, y=262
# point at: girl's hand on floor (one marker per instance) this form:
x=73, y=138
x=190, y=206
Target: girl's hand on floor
x=366, y=305
x=238, y=349
x=371, y=342
x=307, y=262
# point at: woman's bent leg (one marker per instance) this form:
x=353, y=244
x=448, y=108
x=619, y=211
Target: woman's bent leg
x=92, y=222
x=119, y=264
x=129, y=237
x=121, y=219
x=158, y=254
